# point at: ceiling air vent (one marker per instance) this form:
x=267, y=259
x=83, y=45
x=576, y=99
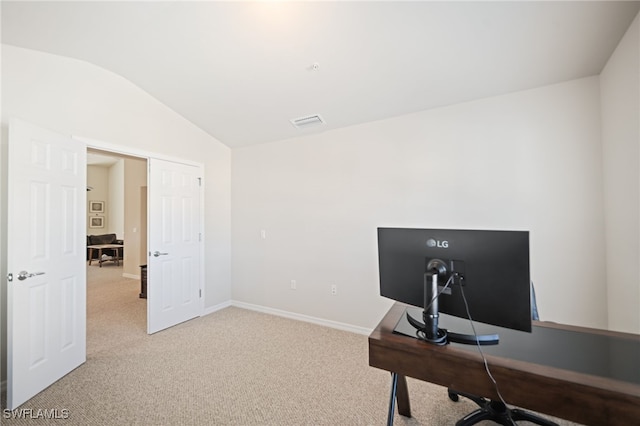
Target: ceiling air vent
x=307, y=121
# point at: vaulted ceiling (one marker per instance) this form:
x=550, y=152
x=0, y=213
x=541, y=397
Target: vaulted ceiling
x=242, y=70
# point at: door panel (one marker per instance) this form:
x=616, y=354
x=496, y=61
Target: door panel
x=173, y=289
x=46, y=316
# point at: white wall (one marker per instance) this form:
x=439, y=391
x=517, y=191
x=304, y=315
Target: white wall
x=98, y=179
x=135, y=178
x=76, y=98
x=108, y=187
x=115, y=204
x=528, y=160
x=620, y=94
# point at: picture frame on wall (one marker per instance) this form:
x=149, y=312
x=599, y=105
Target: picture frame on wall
x=96, y=221
x=96, y=206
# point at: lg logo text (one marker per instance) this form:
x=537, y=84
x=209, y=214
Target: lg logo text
x=431, y=242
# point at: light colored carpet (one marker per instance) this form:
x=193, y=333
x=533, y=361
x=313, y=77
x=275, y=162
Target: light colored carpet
x=233, y=367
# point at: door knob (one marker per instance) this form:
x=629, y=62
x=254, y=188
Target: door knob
x=23, y=275
x=157, y=253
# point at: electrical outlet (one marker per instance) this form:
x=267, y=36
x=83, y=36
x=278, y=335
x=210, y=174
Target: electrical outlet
x=294, y=285
x=334, y=289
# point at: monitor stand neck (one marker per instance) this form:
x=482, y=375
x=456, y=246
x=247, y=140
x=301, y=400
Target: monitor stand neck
x=429, y=331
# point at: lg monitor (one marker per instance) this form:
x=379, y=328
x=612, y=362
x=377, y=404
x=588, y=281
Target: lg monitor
x=482, y=275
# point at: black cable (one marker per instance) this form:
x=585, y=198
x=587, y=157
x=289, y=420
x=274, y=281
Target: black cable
x=484, y=359
x=449, y=281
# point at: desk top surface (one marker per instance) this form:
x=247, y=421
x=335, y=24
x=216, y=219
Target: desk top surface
x=594, y=352
x=102, y=246
x=585, y=375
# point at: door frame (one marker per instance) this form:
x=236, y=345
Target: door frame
x=133, y=152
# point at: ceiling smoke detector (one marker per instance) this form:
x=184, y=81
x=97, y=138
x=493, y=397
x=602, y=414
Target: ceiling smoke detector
x=307, y=121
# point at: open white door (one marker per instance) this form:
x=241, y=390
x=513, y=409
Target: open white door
x=173, y=268
x=46, y=289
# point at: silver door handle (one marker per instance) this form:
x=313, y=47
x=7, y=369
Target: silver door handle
x=157, y=253
x=23, y=275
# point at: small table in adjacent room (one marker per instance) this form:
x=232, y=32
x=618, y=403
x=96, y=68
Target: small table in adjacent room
x=143, y=281
x=114, y=247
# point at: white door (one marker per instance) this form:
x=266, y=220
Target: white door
x=173, y=267
x=46, y=247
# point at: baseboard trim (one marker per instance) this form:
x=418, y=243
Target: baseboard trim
x=132, y=276
x=216, y=308
x=300, y=317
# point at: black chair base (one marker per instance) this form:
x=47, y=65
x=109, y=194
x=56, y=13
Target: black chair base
x=496, y=411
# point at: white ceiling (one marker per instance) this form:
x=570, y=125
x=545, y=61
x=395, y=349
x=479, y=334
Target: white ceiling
x=242, y=70
x=94, y=159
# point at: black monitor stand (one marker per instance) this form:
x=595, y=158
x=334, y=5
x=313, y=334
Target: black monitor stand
x=429, y=331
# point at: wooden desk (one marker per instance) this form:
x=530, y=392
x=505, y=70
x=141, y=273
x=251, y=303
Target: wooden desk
x=561, y=392
x=100, y=247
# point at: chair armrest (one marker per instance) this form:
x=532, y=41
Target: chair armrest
x=120, y=242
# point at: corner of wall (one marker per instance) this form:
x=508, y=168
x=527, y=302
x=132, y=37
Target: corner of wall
x=4, y=134
x=620, y=115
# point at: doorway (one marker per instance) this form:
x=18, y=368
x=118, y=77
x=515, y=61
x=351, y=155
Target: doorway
x=47, y=208
x=116, y=196
x=175, y=273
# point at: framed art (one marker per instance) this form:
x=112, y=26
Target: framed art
x=96, y=206
x=96, y=221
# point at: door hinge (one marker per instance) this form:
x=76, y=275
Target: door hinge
x=200, y=292
x=200, y=237
x=199, y=181
x=10, y=277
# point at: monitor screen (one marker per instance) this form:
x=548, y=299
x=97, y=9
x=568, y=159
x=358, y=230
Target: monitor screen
x=494, y=266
